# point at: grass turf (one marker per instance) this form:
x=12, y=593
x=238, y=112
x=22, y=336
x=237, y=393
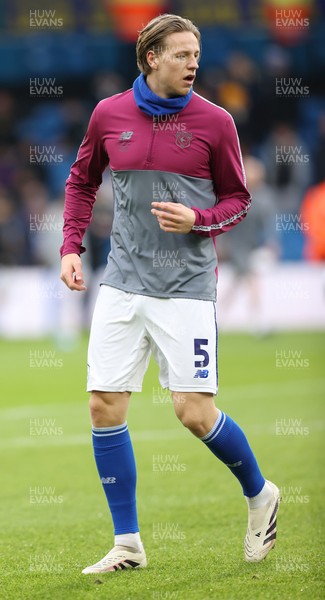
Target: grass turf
x=54, y=519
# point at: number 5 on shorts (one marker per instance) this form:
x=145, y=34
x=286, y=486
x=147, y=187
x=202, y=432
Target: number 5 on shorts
x=199, y=351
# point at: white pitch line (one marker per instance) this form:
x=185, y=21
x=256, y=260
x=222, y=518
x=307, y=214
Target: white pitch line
x=227, y=393
x=84, y=439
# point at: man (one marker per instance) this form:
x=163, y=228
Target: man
x=178, y=181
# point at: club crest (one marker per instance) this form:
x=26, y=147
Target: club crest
x=183, y=139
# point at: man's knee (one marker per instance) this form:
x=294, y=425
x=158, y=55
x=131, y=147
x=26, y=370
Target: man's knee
x=193, y=423
x=108, y=409
x=196, y=412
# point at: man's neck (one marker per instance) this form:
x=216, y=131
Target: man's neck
x=154, y=87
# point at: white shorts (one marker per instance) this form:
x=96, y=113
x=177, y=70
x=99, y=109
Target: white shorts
x=126, y=328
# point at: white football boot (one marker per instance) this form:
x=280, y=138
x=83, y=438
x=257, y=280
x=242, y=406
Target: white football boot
x=261, y=531
x=119, y=558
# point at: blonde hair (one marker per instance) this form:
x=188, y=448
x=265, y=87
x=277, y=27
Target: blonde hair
x=152, y=36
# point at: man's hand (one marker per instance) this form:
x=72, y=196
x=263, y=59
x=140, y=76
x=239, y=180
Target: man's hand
x=173, y=217
x=71, y=272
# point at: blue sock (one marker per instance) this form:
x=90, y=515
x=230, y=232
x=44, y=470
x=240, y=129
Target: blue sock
x=228, y=442
x=117, y=471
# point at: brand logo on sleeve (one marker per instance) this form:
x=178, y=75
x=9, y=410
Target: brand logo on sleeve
x=183, y=139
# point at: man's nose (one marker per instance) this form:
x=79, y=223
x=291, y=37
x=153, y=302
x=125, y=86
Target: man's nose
x=193, y=63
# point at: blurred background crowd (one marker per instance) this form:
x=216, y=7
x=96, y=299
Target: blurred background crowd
x=263, y=61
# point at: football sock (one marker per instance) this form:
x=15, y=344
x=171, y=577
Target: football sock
x=228, y=442
x=117, y=471
x=262, y=498
x=129, y=540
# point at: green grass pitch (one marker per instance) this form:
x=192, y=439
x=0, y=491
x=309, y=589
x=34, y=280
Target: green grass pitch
x=54, y=519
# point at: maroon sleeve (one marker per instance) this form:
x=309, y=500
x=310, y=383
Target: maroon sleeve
x=233, y=198
x=81, y=187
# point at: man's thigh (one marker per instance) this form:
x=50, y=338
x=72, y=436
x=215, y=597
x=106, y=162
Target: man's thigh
x=184, y=336
x=119, y=351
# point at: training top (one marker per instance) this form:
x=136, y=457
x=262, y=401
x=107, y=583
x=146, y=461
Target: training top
x=192, y=157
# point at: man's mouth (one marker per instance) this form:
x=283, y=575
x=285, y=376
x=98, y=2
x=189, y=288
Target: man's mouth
x=189, y=78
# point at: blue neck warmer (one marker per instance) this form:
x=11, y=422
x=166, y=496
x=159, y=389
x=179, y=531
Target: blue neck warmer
x=152, y=105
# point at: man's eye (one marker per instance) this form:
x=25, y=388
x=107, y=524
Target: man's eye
x=181, y=56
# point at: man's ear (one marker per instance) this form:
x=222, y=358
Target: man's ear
x=152, y=60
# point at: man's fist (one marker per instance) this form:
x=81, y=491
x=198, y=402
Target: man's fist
x=173, y=217
x=71, y=272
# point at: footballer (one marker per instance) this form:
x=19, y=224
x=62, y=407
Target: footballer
x=158, y=291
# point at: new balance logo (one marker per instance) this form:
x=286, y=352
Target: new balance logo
x=202, y=373
x=125, y=140
x=108, y=480
x=126, y=135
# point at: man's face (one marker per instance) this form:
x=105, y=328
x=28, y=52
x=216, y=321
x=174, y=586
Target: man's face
x=174, y=68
